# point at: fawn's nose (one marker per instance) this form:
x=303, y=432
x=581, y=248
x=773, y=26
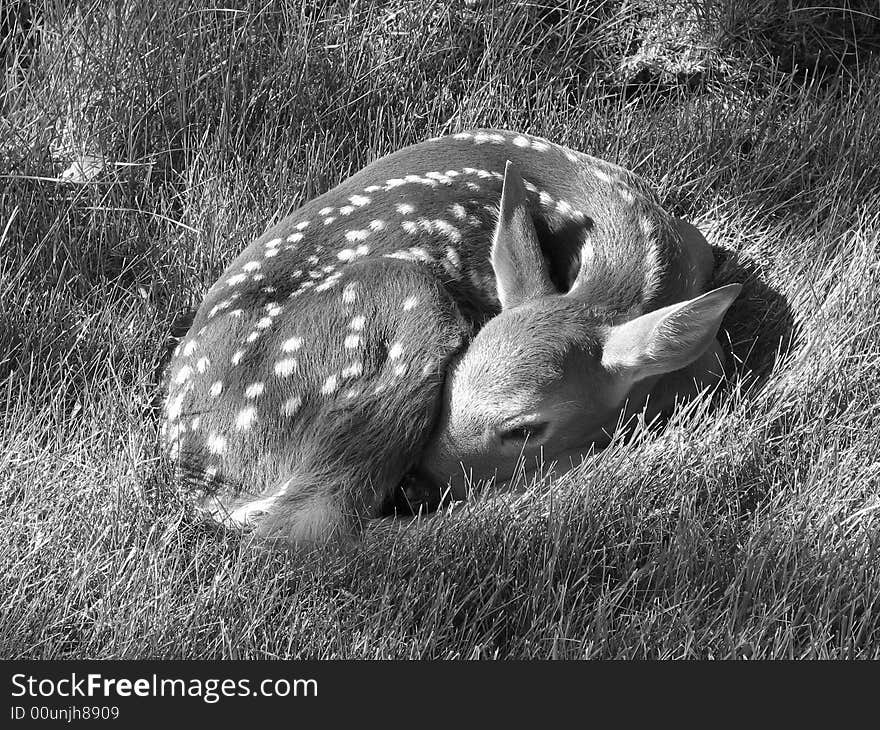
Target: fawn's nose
x=422, y=490
x=418, y=493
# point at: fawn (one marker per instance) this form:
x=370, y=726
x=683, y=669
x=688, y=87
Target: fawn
x=461, y=302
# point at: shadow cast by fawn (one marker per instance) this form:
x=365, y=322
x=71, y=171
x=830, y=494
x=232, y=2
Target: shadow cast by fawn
x=760, y=324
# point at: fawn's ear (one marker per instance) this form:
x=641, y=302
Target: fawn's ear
x=520, y=269
x=669, y=338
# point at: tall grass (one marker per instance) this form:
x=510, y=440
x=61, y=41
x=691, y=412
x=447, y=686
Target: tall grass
x=748, y=527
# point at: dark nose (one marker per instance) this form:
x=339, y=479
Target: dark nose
x=416, y=493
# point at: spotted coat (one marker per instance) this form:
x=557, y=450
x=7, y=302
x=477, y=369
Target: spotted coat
x=311, y=376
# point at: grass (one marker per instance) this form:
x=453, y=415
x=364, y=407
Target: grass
x=748, y=527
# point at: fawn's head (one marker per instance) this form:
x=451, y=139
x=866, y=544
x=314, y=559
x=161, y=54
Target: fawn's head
x=549, y=374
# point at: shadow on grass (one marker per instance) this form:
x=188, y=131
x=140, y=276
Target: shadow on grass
x=759, y=327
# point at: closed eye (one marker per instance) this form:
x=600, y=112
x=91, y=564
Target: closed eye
x=523, y=432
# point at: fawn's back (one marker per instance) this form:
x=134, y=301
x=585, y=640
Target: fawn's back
x=312, y=376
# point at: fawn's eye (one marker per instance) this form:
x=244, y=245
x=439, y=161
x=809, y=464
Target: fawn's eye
x=523, y=432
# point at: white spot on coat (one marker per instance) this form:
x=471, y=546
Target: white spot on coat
x=357, y=323
x=216, y=444
x=252, y=266
x=395, y=351
x=287, y=366
x=174, y=406
x=291, y=405
x=202, y=364
x=447, y=229
x=349, y=254
x=346, y=209
x=410, y=303
x=183, y=374
x=292, y=345
x=329, y=282
x=325, y=211
x=352, y=341
x=439, y=177
x=245, y=418
x=359, y=200
x=349, y=293
x=420, y=254
x=360, y=234
x=353, y=370
x=254, y=390
x=492, y=137
x=330, y=385
x=236, y=357
x=216, y=389
x=295, y=238
x=421, y=180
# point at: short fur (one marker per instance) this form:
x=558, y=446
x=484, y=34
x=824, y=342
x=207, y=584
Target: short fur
x=312, y=376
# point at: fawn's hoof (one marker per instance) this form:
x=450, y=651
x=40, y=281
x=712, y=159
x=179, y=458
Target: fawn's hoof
x=245, y=517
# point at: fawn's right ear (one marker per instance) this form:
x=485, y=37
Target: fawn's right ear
x=667, y=339
x=520, y=269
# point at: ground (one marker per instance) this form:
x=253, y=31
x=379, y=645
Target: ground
x=748, y=527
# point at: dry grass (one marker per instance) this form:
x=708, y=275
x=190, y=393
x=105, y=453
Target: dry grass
x=749, y=529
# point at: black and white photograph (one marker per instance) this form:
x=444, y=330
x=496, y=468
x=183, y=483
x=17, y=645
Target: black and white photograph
x=420, y=330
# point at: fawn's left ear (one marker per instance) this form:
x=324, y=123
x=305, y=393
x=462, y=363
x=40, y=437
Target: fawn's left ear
x=667, y=339
x=520, y=269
